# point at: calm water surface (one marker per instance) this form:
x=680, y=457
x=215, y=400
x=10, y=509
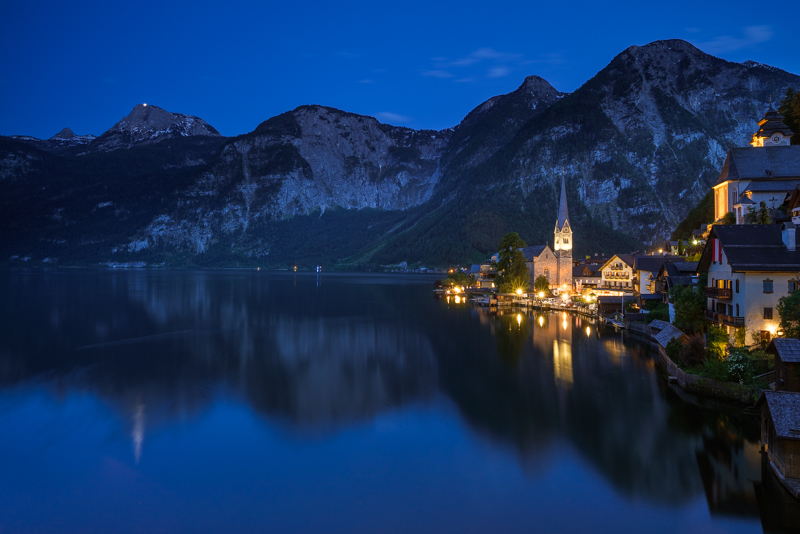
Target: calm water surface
x=275, y=402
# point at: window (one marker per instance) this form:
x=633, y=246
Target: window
x=737, y=311
x=767, y=286
x=794, y=285
x=767, y=313
x=737, y=288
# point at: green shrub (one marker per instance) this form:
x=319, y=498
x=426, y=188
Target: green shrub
x=740, y=367
x=716, y=369
x=673, y=349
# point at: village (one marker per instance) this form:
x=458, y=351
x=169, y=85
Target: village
x=721, y=307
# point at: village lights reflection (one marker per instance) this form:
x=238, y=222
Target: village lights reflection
x=519, y=319
x=458, y=299
x=541, y=320
x=588, y=331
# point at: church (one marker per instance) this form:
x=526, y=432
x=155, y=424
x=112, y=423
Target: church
x=556, y=263
x=766, y=171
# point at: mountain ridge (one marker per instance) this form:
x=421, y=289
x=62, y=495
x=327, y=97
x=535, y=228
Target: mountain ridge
x=638, y=144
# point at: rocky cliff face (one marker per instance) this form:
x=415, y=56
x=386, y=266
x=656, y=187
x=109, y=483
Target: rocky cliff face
x=638, y=144
x=301, y=163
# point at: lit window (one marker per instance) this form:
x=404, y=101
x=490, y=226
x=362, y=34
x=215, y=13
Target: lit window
x=767, y=313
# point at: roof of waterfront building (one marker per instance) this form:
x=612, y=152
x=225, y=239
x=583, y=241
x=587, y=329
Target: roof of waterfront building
x=667, y=334
x=752, y=247
x=788, y=349
x=784, y=407
x=769, y=186
x=761, y=163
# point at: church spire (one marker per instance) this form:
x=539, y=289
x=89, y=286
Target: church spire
x=563, y=215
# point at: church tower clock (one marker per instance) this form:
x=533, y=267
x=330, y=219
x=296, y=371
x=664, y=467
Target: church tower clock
x=563, y=242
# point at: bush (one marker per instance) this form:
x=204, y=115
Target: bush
x=740, y=367
x=716, y=369
x=717, y=342
x=673, y=349
x=693, y=352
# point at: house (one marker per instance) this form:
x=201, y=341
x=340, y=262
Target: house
x=617, y=273
x=645, y=269
x=586, y=278
x=764, y=172
x=484, y=274
x=787, y=364
x=554, y=264
x=672, y=274
x=749, y=267
x=780, y=434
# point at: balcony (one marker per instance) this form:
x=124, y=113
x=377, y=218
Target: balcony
x=721, y=318
x=732, y=321
x=617, y=276
x=718, y=292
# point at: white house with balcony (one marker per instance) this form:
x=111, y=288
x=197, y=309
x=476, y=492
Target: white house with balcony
x=616, y=275
x=749, y=268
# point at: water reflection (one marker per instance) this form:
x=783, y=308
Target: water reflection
x=320, y=352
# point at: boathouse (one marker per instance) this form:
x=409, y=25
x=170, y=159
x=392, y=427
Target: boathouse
x=780, y=434
x=787, y=364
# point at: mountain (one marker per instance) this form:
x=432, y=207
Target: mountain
x=147, y=124
x=65, y=139
x=638, y=144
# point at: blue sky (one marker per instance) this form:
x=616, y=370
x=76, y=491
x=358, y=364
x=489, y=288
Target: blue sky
x=419, y=64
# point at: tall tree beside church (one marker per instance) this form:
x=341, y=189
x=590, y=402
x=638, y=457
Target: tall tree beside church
x=790, y=109
x=513, y=272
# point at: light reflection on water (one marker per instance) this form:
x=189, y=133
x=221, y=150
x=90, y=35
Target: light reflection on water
x=219, y=392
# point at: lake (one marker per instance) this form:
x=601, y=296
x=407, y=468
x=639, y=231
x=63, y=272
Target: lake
x=244, y=401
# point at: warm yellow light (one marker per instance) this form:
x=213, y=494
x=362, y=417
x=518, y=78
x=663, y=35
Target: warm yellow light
x=541, y=320
x=541, y=294
x=519, y=291
x=565, y=297
x=458, y=299
x=588, y=331
x=519, y=319
x=448, y=300
x=661, y=251
x=694, y=242
x=457, y=289
x=564, y=324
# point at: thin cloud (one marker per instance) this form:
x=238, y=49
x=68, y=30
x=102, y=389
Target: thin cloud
x=492, y=63
x=437, y=74
x=753, y=35
x=498, y=72
x=389, y=117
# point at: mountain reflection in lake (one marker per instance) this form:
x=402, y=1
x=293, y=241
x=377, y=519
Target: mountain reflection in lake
x=252, y=401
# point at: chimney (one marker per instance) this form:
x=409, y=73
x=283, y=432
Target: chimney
x=787, y=234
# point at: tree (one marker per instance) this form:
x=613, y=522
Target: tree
x=512, y=270
x=758, y=217
x=790, y=109
x=728, y=218
x=541, y=284
x=689, y=303
x=789, y=312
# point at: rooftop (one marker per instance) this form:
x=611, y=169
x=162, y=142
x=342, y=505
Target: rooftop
x=784, y=407
x=787, y=349
x=752, y=247
x=762, y=163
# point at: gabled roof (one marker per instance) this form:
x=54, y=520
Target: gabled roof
x=761, y=163
x=627, y=259
x=787, y=349
x=585, y=271
x=784, y=407
x=654, y=263
x=751, y=248
x=667, y=334
x=475, y=268
x=533, y=251
x=658, y=324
